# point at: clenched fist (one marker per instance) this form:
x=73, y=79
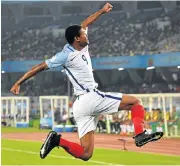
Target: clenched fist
x=15, y=89
x=107, y=8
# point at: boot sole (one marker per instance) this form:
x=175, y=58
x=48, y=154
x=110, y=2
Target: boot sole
x=154, y=137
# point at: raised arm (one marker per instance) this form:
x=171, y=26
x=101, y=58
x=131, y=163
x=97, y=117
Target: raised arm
x=107, y=8
x=36, y=69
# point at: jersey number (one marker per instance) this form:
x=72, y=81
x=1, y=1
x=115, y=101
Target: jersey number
x=84, y=58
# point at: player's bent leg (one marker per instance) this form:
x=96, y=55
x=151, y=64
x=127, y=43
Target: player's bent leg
x=137, y=111
x=128, y=101
x=87, y=142
x=83, y=151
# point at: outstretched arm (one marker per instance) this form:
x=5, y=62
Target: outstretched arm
x=107, y=8
x=36, y=69
x=57, y=60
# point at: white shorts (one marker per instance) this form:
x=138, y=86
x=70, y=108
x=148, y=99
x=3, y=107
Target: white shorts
x=87, y=107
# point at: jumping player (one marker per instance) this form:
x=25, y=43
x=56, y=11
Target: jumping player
x=90, y=102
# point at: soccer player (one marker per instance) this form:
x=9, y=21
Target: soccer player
x=90, y=102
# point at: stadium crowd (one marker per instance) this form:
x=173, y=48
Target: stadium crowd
x=114, y=36
x=120, y=123
x=133, y=39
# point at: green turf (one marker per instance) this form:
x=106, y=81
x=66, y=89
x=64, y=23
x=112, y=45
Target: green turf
x=22, y=130
x=35, y=123
x=27, y=153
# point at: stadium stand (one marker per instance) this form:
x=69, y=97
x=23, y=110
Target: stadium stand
x=124, y=34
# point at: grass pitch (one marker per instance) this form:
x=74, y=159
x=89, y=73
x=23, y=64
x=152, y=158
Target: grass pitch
x=27, y=153
x=22, y=130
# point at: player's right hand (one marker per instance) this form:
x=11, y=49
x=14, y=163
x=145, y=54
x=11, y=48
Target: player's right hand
x=15, y=89
x=107, y=8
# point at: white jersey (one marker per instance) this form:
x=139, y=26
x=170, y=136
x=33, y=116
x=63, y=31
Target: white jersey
x=78, y=67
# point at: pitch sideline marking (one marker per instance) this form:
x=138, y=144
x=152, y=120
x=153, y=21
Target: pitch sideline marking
x=55, y=156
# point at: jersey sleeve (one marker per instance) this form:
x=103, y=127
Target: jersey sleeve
x=57, y=60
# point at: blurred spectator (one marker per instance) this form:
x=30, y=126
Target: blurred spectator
x=101, y=125
x=173, y=122
x=115, y=124
x=147, y=122
x=71, y=116
x=64, y=117
x=57, y=116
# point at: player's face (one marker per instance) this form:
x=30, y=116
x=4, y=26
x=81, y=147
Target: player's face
x=83, y=39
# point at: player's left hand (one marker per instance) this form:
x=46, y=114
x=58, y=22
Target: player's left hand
x=107, y=8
